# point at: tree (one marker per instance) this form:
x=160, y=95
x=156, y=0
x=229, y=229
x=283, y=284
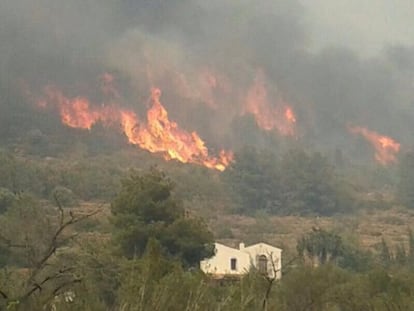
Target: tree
x=146, y=209
x=309, y=185
x=254, y=180
x=39, y=273
x=6, y=199
x=320, y=246
x=311, y=289
x=406, y=180
x=299, y=183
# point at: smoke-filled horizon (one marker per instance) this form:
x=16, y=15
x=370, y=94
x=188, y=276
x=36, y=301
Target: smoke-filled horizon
x=216, y=62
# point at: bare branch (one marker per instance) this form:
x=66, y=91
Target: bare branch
x=55, y=242
x=64, y=276
x=3, y=295
x=271, y=279
x=38, y=286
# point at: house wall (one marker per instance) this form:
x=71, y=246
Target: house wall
x=272, y=254
x=220, y=263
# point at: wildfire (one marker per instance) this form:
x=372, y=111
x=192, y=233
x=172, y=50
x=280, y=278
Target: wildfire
x=77, y=112
x=281, y=118
x=162, y=135
x=386, y=148
x=157, y=135
x=206, y=86
x=289, y=115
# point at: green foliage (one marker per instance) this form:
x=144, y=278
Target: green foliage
x=39, y=267
x=406, y=180
x=400, y=255
x=8, y=171
x=145, y=209
x=355, y=259
x=311, y=289
x=7, y=198
x=320, y=245
x=157, y=280
x=64, y=196
x=308, y=184
x=101, y=271
x=26, y=213
x=254, y=180
x=385, y=256
x=299, y=183
x=4, y=255
x=89, y=178
x=410, y=246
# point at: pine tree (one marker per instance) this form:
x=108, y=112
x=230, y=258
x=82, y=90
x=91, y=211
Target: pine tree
x=145, y=209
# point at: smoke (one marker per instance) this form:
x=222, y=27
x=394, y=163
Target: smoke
x=204, y=55
x=365, y=26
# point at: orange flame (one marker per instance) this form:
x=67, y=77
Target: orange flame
x=268, y=117
x=289, y=115
x=386, y=148
x=162, y=135
x=159, y=135
x=78, y=112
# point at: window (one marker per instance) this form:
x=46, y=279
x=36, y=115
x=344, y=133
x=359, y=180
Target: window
x=233, y=264
x=262, y=264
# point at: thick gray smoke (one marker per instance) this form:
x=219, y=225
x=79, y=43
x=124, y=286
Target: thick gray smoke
x=169, y=43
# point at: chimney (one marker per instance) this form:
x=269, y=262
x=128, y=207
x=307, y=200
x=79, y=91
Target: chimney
x=241, y=246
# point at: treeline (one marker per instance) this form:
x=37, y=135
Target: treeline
x=86, y=179
x=296, y=182
x=147, y=259
x=300, y=182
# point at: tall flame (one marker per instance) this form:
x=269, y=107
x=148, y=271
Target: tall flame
x=162, y=135
x=386, y=148
x=281, y=118
x=158, y=135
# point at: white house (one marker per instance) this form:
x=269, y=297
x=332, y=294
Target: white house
x=229, y=261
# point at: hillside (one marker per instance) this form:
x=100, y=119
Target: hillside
x=134, y=134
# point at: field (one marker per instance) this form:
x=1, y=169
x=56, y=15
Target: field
x=365, y=229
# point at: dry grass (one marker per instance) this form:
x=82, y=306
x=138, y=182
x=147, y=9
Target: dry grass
x=365, y=229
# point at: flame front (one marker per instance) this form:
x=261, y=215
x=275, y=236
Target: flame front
x=78, y=112
x=162, y=135
x=281, y=118
x=158, y=135
x=386, y=148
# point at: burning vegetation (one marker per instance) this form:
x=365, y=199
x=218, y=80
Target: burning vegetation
x=258, y=66
x=269, y=117
x=157, y=135
x=386, y=148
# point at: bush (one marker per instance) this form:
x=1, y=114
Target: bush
x=7, y=198
x=65, y=196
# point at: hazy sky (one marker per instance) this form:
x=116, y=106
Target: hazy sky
x=362, y=25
